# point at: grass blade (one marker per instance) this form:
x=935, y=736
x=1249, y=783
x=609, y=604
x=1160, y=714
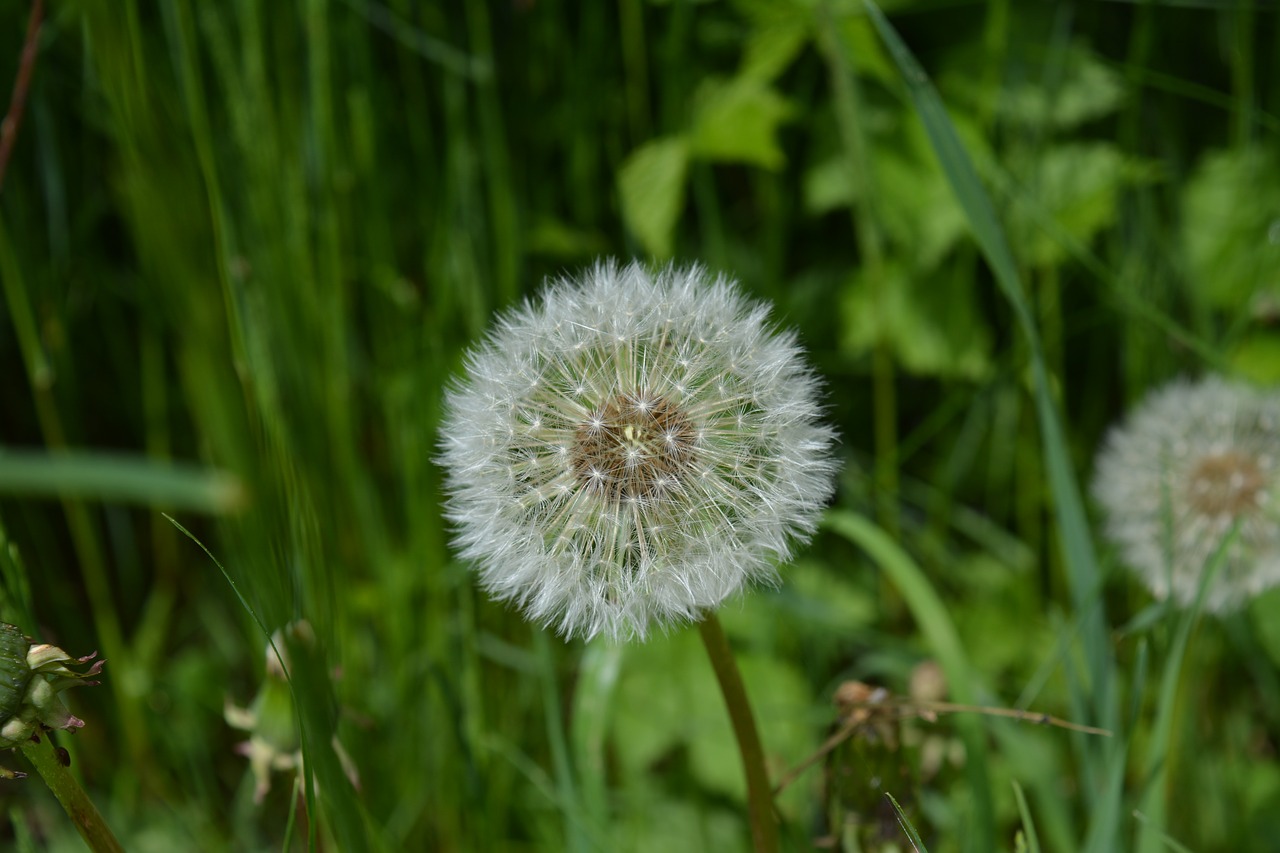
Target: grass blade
x=1028, y=827
x=1152, y=808
x=973, y=198
x=905, y=823
x=117, y=477
x=1077, y=544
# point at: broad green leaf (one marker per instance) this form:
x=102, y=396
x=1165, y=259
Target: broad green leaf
x=558, y=239
x=771, y=47
x=679, y=825
x=781, y=700
x=662, y=681
x=914, y=200
x=932, y=324
x=1076, y=186
x=828, y=185
x=920, y=211
x=1231, y=228
x=1071, y=87
x=651, y=185
x=863, y=47
x=737, y=121
x=1257, y=357
x=973, y=198
x=1264, y=615
x=774, y=23
x=667, y=699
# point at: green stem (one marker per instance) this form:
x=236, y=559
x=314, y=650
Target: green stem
x=93, y=829
x=764, y=826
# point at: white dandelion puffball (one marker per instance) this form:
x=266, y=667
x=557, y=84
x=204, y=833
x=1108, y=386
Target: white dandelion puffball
x=632, y=448
x=1192, y=463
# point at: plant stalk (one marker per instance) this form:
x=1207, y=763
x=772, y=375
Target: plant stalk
x=88, y=820
x=764, y=825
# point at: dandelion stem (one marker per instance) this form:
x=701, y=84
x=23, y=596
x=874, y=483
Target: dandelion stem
x=764, y=827
x=93, y=829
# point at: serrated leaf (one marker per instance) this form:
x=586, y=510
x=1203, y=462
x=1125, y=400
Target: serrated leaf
x=651, y=185
x=932, y=326
x=771, y=47
x=914, y=201
x=863, y=47
x=1075, y=187
x=737, y=121
x=1085, y=90
x=918, y=208
x=1231, y=229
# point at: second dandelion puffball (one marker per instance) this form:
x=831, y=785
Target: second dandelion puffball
x=632, y=448
x=1189, y=478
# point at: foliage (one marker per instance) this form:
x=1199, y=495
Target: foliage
x=244, y=244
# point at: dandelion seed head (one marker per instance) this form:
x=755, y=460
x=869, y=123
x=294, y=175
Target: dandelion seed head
x=1192, y=464
x=632, y=448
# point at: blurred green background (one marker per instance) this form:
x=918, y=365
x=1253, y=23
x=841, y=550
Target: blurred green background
x=244, y=244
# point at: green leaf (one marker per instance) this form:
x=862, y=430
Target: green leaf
x=737, y=121
x=771, y=47
x=934, y=328
x=1264, y=616
x=919, y=209
x=651, y=185
x=1077, y=542
x=1257, y=357
x=907, y=827
x=667, y=699
x=863, y=47
x=664, y=683
x=1077, y=187
x=1080, y=89
x=1028, y=839
x=678, y=825
x=828, y=185
x=118, y=477
x=1231, y=229
x=555, y=238
x=781, y=700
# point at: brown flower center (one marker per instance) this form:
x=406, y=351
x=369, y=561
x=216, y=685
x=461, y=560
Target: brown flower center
x=634, y=446
x=1226, y=484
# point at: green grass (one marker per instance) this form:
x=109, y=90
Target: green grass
x=244, y=245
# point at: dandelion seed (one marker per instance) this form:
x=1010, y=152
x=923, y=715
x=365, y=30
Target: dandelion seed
x=677, y=453
x=1191, y=465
